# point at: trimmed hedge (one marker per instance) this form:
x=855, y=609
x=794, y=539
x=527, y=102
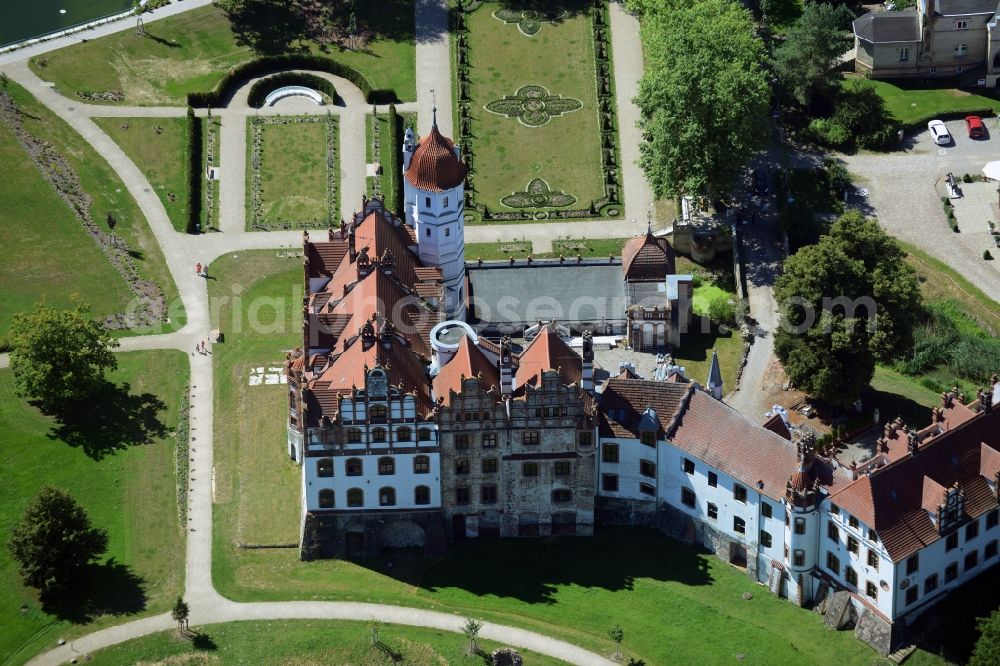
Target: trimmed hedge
x=243, y=72
x=260, y=90
x=395, y=185
x=194, y=172
x=921, y=123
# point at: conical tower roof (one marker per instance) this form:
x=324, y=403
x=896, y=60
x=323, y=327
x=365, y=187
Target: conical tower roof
x=434, y=166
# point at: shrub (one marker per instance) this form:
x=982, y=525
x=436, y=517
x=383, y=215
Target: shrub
x=722, y=311
x=859, y=119
x=976, y=358
x=194, y=171
x=966, y=178
x=261, y=89
x=394, y=195
x=987, y=256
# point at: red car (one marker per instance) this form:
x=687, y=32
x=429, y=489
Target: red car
x=975, y=126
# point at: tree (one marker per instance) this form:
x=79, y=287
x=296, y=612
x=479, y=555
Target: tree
x=987, y=650
x=805, y=62
x=180, y=613
x=54, y=541
x=58, y=357
x=617, y=634
x=704, y=97
x=471, y=631
x=846, y=302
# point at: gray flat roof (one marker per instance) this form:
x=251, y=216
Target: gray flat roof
x=522, y=294
x=888, y=27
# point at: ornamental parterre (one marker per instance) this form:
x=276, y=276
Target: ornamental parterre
x=528, y=21
x=538, y=194
x=533, y=105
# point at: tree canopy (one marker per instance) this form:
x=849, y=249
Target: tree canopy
x=54, y=541
x=846, y=302
x=805, y=62
x=58, y=357
x=704, y=97
x=987, y=650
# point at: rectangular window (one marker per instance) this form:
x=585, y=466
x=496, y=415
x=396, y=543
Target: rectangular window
x=904, y=54
x=648, y=438
x=489, y=440
x=489, y=465
x=833, y=563
x=713, y=511
x=911, y=595
x=585, y=438
x=799, y=558
x=471, y=416
x=427, y=231
x=951, y=572
x=951, y=543
x=687, y=497
x=446, y=202
x=992, y=518
x=800, y=525
x=647, y=489
x=765, y=509
x=961, y=50
x=447, y=231
x=739, y=525
x=851, y=576
x=832, y=531
x=971, y=560
x=609, y=453
x=609, y=483
x=873, y=559
x=713, y=479
x=560, y=467
x=834, y=509
x=530, y=438
x=972, y=530
x=871, y=589
x=427, y=202
x=461, y=465
x=872, y=536
x=739, y=493
x=852, y=544
x=990, y=550
x=912, y=564
x=961, y=25
x=461, y=441
x=853, y=522
x=529, y=469
x=688, y=466
x=765, y=539
x=647, y=468
x=930, y=584
x=461, y=496
x=488, y=494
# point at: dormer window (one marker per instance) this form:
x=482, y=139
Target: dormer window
x=961, y=25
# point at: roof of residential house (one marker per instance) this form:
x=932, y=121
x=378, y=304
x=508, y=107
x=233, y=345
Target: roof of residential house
x=900, y=499
x=964, y=7
x=435, y=166
x=547, y=351
x=648, y=258
x=468, y=362
x=888, y=27
x=624, y=400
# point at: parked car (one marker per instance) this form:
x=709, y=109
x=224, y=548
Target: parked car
x=939, y=131
x=975, y=126
x=760, y=185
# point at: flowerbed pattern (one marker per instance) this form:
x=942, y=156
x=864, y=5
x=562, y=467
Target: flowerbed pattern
x=257, y=124
x=538, y=194
x=533, y=105
x=528, y=21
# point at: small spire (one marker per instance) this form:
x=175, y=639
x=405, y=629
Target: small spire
x=434, y=111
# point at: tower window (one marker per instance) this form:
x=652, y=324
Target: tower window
x=446, y=202
x=447, y=231
x=427, y=232
x=427, y=202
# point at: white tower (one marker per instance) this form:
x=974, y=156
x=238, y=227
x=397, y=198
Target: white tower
x=434, y=204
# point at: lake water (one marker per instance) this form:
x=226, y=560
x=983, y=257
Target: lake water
x=23, y=19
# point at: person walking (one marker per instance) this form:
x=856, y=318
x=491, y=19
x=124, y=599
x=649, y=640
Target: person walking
x=197, y=268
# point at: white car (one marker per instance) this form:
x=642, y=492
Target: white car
x=939, y=131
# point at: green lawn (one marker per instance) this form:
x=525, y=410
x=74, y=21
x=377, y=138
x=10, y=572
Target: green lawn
x=192, y=51
x=911, y=104
x=565, y=152
x=695, y=351
x=130, y=491
x=158, y=146
x=939, y=281
x=569, y=247
x=46, y=252
x=304, y=642
x=294, y=174
x=389, y=148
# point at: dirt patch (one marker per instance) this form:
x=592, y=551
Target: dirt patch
x=143, y=80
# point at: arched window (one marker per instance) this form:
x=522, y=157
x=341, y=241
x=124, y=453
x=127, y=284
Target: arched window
x=404, y=434
x=378, y=434
x=421, y=465
x=561, y=496
x=326, y=498
x=386, y=466
x=378, y=412
x=424, y=434
x=353, y=435
x=324, y=467
x=422, y=495
x=355, y=497
x=354, y=467
x=387, y=496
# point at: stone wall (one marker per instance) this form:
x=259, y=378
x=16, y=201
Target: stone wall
x=358, y=535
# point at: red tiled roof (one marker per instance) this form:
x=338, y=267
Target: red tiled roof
x=894, y=499
x=624, y=400
x=647, y=258
x=434, y=165
x=776, y=424
x=469, y=362
x=548, y=351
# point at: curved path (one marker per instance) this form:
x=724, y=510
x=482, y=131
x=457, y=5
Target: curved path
x=181, y=252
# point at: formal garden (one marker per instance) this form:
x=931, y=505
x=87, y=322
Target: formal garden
x=293, y=172
x=539, y=131
x=119, y=463
x=87, y=236
x=383, y=148
x=193, y=51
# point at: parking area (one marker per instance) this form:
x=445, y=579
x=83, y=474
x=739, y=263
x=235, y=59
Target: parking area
x=905, y=188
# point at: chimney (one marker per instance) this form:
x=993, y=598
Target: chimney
x=506, y=367
x=305, y=328
x=587, y=377
x=913, y=442
x=351, y=250
x=986, y=399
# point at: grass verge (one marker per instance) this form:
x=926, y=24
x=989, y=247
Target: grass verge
x=910, y=102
